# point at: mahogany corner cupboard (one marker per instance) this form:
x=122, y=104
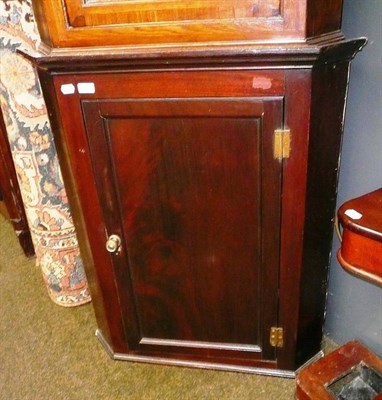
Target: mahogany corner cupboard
x=199, y=143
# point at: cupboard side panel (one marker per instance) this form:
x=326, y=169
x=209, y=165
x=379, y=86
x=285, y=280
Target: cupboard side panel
x=43, y=23
x=323, y=19
x=326, y=127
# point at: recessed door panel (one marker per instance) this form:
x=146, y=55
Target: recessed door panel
x=119, y=12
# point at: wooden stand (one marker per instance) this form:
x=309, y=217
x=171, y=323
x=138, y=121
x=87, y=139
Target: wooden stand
x=324, y=378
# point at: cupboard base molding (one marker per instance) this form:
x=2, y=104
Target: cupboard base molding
x=195, y=364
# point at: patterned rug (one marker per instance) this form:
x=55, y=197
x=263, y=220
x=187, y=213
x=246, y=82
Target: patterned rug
x=35, y=159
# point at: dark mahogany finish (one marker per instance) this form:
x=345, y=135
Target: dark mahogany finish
x=10, y=193
x=179, y=163
x=172, y=150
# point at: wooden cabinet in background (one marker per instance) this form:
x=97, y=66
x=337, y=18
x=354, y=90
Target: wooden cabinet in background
x=11, y=202
x=68, y=23
x=202, y=176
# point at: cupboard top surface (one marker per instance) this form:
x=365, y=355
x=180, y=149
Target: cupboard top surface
x=88, y=23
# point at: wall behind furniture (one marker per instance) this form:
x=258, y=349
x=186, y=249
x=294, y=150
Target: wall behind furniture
x=355, y=306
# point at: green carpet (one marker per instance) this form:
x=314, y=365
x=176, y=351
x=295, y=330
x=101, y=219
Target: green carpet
x=50, y=353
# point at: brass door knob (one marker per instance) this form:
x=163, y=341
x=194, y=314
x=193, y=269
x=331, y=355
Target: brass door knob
x=113, y=243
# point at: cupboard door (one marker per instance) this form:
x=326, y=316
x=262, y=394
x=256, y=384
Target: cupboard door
x=193, y=190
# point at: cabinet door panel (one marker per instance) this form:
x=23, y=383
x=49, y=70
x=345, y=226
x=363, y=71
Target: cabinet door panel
x=118, y=12
x=192, y=188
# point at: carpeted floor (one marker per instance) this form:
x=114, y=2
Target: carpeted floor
x=50, y=353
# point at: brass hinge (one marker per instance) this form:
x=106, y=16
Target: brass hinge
x=276, y=337
x=281, y=144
